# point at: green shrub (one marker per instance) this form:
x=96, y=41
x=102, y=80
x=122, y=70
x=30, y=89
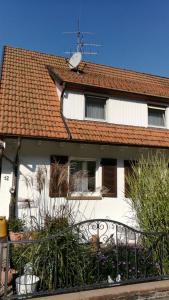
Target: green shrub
x=149, y=197
x=16, y=225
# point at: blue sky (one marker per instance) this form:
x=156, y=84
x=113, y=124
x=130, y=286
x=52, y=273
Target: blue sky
x=134, y=33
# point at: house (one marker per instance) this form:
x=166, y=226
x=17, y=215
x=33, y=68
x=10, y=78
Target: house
x=92, y=121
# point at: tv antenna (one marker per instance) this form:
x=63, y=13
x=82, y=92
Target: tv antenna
x=80, y=44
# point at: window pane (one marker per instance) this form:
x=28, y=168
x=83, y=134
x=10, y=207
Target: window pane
x=82, y=176
x=76, y=177
x=95, y=108
x=156, y=117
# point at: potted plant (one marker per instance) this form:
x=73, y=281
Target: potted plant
x=16, y=227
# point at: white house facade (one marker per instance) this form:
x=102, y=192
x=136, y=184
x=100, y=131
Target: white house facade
x=93, y=122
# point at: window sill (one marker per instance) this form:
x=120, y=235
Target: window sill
x=154, y=126
x=83, y=197
x=97, y=120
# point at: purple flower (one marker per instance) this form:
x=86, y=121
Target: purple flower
x=102, y=258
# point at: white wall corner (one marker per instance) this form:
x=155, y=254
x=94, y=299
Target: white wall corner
x=120, y=178
x=108, y=110
x=167, y=117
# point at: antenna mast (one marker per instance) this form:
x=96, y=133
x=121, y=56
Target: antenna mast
x=80, y=44
x=79, y=38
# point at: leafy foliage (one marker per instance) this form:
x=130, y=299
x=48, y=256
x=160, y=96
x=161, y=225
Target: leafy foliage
x=16, y=225
x=149, y=192
x=149, y=195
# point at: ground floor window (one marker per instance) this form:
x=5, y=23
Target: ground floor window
x=82, y=176
x=87, y=177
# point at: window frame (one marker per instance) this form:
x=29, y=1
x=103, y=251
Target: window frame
x=158, y=108
x=95, y=97
x=97, y=192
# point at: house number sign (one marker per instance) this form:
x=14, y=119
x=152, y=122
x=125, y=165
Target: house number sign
x=6, y=178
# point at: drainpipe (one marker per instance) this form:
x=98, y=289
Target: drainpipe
x=57, y=78
x=13, y=190
x=61, y=111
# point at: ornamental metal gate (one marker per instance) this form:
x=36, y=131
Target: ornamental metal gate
x=91, y=254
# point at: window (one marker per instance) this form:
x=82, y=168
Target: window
x=82, y=176
x=156, y=116
x=71, y=177
x=95, y=108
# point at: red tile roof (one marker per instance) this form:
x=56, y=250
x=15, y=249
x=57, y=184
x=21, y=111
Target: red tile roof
x=115, y=79
x=101, y=132
x=29, y=104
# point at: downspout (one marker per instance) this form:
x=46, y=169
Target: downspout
x=13, y=190
x=61, y=111
x=56, y=78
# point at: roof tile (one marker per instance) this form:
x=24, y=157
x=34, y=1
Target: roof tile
x=91, y=131
x=28, y=97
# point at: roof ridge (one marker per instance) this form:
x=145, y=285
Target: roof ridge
x=126, y=70
x=34, y=51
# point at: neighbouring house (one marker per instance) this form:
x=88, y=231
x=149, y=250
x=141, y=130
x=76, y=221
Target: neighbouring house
x=93, y=121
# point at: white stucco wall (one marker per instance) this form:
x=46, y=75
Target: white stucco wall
x=6, y=178
x=6, y=183
x=74, y=105
x=167, y=117
x=118, y=111
x=127, y=112
x=35, y=154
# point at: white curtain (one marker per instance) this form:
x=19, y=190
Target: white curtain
x=156, y=117
x=95, y=108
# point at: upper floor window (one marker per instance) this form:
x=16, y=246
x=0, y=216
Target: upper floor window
x=156, y=116
x=95, y=108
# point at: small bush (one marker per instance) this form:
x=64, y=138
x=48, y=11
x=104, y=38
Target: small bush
x=16, y=225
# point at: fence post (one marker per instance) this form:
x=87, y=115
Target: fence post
x=1, y=264
x=6, y=270
x=3, y=257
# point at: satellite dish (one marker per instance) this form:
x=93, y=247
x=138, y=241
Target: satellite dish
x=75, y=60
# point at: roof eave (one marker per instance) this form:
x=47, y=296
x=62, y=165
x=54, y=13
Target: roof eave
x=80, y=141
x=83, y=85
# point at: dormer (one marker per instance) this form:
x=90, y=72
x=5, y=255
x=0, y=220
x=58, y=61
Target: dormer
x=104, y=94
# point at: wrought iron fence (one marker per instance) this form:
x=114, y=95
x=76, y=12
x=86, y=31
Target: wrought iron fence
x=91, y=254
